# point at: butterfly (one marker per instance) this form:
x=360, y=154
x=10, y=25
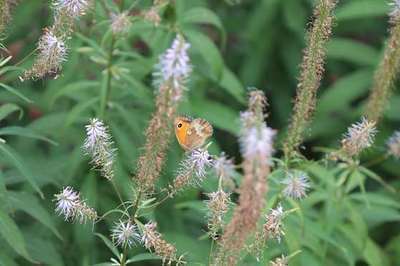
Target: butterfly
x=192, y=133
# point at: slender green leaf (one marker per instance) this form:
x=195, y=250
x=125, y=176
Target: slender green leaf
x=73, y=88
x=109, y=244
x=143, y=257
x=352, y=51
x=373, y=254
x=15, y=92
x=76, y=113
x=338, y=96
x=14, y=158
x=226, y=119
x=8, y=108
x=30, y=204
x=93, y=44
x=358, y=9
x=204, y=16
x=5, y=61
x=11, y=233
x=25, y=132
x=232, y=85
x=208, y=50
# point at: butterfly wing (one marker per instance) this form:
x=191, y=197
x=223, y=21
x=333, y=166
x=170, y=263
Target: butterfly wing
x=198, y=132
x=182, y=125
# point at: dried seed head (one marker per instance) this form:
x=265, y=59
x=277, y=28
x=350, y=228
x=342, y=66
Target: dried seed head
x=99, y=146
x=52, y=52
x=257, y=146
x=359, y=137
x=296, y=185
x=312, y=70
x=192, y=170
x=217, y=206
x=171, y=73
x=125, y=234
x=174, y=65
x=152, y=16
x=393, y=145
x=72, y=8
x=69, y=205
x=120, y=23
x=257, y=100
x=273, y=224
x=153, y=241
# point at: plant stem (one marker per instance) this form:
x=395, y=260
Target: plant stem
x=312, y=69
x=376, y=161
x=118, y=193
x=121, y=5
x=136, y=205
x=134, y=211
x=385, y=76
x=211, y=252
x=26, y=57
x=124, y=255
x=105, y=93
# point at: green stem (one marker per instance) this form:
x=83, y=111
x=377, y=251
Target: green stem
x=134, y=211
x=124, y=255
x=118, y=194
x=121, y=5
x=105, y=94
x=136, y=205
x=26, y=57
x=211, y=252
x=376, y=161
x=220, y=183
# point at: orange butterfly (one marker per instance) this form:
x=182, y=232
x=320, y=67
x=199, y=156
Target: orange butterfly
x=192, y=133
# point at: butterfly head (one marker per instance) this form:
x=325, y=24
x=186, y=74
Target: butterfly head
x=182, y=124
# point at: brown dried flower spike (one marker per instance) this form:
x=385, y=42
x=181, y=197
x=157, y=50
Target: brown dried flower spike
x=153, y=240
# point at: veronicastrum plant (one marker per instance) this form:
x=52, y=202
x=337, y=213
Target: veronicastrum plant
x=127, y=195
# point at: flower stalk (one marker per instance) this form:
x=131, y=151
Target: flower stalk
x=154, y=241
x=6, y=7
x=257, y=148
x=106, y=88
x=385, y=74
x=170, y=78
x=100, y=147
x=51, y=46
x=312, y=69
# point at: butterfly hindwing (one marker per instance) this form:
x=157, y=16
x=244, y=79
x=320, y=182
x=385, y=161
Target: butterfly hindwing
x=200, y=130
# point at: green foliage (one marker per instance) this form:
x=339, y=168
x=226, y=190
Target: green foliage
x=351, y=215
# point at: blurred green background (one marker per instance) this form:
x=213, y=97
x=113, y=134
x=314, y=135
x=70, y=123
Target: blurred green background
x=252, y=43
